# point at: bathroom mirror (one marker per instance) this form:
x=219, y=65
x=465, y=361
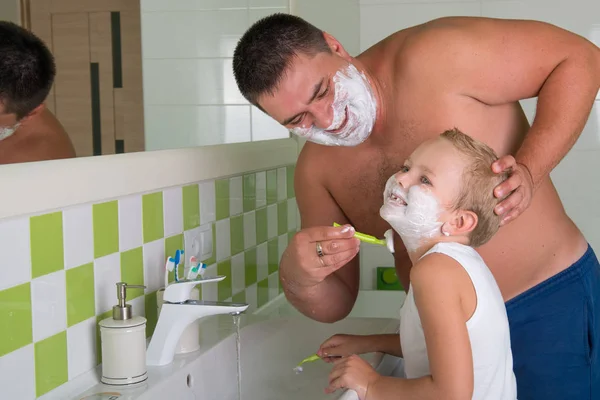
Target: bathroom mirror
x=145, y=75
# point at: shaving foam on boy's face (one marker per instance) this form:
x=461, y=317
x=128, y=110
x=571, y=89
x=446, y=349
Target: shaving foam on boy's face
x=354, y=111
x=413, y=213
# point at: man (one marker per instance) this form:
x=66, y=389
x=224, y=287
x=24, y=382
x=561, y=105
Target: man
x=373, y=110
x=28, y=131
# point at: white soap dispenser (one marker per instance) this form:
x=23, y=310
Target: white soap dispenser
x=123, y=339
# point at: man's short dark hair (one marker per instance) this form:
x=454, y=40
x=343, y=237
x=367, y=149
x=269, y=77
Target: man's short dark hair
x=267, y=48
x=27, y=70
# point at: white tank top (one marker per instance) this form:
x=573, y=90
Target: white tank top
x=488, y=331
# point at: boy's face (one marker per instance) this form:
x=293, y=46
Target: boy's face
x=418, y=198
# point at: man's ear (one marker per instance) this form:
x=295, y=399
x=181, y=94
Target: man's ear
x=335, y=46
x=461, y=223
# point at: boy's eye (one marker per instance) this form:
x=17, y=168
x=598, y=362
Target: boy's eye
x=425, y=180
x=404, y=169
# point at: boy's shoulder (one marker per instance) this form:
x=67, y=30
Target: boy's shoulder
x=435, y=268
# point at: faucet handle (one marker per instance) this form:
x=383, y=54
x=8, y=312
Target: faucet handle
x=181, y=291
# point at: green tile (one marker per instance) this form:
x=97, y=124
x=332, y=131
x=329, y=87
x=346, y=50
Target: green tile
x=251, y=266
x=261, y=225
x=51, y=369
x=213, y=258
x=290, y=169
x=272, y=186
x=132, y=271
x=106, y=228
x=15, y=318
x=152, y=216
x=47, y=254
x=191, y=207
x=273, y=255
x=106, y=314
x=240, y=297
x=282, y=218
x=249, y=192
x=262, y=292
x=224, y=287
x=291, y=236
x=222, y=198
x=172, y=244
x=80, y=294
x=151, y=313
x=236, y=226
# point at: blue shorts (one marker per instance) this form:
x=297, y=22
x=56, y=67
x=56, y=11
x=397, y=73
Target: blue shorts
x=555, y=335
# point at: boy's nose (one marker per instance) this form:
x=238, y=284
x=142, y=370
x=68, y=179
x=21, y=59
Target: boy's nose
x=402, y=179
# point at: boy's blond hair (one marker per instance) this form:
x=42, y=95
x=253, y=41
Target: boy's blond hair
x=477, y=185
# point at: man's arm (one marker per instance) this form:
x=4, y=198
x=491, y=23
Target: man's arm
x=499, y=61
x=333, y=296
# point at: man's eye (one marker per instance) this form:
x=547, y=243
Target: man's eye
x=324, y=93
x=425, y=180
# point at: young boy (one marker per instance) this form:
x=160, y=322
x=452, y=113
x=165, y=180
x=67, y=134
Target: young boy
x=454, y=333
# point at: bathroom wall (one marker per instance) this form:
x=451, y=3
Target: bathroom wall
x=10, y=11
x=577, y=176
x=189, y=88
x=59, y=269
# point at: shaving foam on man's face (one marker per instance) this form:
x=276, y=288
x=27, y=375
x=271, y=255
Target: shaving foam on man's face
x=413, y=213
x=354, y=111
x=6, y=131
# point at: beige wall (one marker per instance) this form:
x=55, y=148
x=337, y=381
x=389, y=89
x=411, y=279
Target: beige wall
x=9, y=11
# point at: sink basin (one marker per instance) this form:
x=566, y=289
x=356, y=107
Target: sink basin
x=270, y=349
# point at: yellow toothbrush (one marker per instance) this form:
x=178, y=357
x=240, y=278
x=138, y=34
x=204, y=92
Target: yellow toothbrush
x=312, y=358
x=363, y=237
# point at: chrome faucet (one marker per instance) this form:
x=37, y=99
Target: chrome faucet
x=177, y=313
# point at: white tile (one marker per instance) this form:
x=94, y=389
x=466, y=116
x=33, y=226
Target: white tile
x=190, y=82
x=249, y=230
x=49, y=305
x=268, y=3
x=238, y=273
x=210, y=290
x=379, y=21
x=223, y=239
x=17, y=380
x=282, y=245
x=175, y=34
x=371, y=2
x=292, y=211
x=266, y=128
x=272, y=221
x=254, y=14
x=107, y=272
x=281, y=184
x=191, y=5
x=15, y=249
x=173, y=210
x=273, y=285
x=130, y=222
x=262, y=262
x=207, y=201
x=590, y=137
x=261, y=189
x=78, y=236
x=154, y=265
x=138, y=306
x=236, y=197
x=251, y=297
x=191, y=126
x=81, y=347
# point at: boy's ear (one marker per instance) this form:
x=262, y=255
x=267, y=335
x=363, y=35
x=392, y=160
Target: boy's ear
x=462, y=223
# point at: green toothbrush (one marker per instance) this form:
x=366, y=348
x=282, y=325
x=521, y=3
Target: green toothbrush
x=363, y=237
x=312, y=358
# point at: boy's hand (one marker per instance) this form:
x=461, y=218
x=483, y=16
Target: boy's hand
x=517, y=190
x=352, y=373
x=344, y=345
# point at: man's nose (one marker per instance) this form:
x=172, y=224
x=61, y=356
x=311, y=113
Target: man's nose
x=323, y=115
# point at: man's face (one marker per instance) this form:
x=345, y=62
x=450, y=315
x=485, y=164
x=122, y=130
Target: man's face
x=325, y=99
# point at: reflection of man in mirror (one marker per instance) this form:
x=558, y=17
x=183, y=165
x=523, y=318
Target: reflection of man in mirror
x=28, y=131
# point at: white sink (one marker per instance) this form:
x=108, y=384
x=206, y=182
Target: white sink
x=270, y=349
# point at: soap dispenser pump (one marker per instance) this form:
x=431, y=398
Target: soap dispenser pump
x=123, y=338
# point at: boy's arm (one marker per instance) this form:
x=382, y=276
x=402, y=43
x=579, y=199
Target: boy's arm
x=345, y=345
x=446, y=336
